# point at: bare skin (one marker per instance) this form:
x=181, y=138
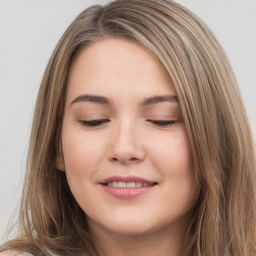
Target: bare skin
x=123, y=119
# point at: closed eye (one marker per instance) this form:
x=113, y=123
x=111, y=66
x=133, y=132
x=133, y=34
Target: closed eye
x=94, y=123
x=162, y=123
x=99, y=122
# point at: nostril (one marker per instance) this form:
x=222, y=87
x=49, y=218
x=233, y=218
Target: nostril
x=115, y=159
x=123, y=160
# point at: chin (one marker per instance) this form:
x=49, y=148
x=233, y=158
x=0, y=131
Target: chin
x=129, y=225
x=130, y=229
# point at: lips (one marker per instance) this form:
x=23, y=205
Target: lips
x=122, y=184
x=127, y=187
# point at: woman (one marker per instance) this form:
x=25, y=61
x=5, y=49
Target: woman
x=140, y=142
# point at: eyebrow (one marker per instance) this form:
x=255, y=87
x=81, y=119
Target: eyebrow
x=105, y=101
x=92, y=98
x=158, y=99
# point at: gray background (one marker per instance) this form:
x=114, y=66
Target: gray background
x=30, y=29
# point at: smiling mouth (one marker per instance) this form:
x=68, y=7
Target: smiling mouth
x=134, y=184
x=127, y=187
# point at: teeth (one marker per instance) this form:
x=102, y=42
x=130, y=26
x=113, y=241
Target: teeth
x=121, y=184
x=138, y=184
x=130, y=185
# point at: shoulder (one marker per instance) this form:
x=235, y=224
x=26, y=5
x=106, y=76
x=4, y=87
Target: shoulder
x=14, y=253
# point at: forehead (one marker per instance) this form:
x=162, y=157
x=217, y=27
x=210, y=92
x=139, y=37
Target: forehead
x=113, y=67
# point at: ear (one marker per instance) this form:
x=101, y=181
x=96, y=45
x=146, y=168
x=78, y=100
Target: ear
x=59, y=163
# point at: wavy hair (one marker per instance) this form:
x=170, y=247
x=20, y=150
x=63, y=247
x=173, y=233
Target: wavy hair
x=223, y=220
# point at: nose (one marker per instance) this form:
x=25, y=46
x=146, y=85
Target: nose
x=126, y=146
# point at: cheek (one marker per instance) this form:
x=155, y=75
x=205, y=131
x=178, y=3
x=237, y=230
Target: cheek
x=174, y=154
x=82, y=156
x=82, y=152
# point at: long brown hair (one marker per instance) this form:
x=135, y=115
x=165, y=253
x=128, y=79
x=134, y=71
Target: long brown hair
x=223, y=221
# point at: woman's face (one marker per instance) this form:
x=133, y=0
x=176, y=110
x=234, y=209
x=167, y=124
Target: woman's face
x=126, y=152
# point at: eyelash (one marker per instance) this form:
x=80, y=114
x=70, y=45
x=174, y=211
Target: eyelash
x=163, y=123
x=94, y=123
x=99, y=122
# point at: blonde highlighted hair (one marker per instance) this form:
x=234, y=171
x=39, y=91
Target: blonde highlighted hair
x=223, y=220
